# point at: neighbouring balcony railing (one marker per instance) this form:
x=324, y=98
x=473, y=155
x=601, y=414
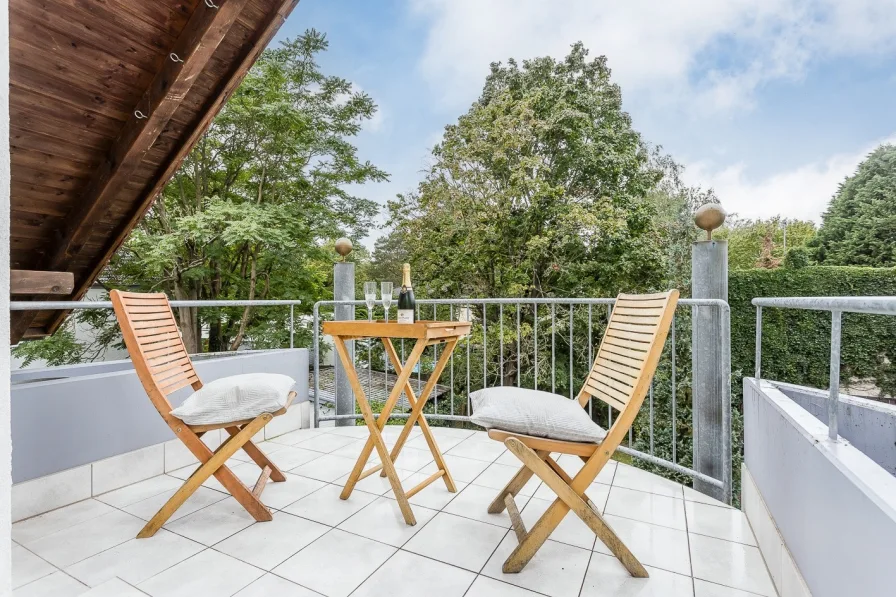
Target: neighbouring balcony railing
x=82, y=305
x=547, y=344
x=837, y=305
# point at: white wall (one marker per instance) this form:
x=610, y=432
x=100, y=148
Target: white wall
x=5, y=435
x=833, y=507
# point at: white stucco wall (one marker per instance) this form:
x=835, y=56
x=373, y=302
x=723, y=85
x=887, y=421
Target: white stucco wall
x=5, y=434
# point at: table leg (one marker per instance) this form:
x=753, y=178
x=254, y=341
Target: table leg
x=417, y=404
x=375, y=440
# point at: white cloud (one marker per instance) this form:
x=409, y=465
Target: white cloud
x=803, y=192
x=708, y=54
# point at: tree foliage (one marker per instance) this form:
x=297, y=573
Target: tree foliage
x=538, y=190
x=250, y=212
x=859, y=226
x=761, y=243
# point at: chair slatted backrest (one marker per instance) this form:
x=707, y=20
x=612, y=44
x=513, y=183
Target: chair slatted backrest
x=630, y=351
x=154, y=342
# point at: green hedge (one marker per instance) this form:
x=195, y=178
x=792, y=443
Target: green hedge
x=796, y=344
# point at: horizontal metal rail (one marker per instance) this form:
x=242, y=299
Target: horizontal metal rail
x=82, y=305
x=836, y=306
x=543, y=357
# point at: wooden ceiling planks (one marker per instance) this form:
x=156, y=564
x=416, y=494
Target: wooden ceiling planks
x=84, y=168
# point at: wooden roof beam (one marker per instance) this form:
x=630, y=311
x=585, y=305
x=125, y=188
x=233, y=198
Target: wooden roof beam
x=193, y=49
x=23, y=281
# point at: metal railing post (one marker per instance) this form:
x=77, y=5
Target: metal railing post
x=758, y=364
x=316, y=348
x=834, y=401
x=292, y=328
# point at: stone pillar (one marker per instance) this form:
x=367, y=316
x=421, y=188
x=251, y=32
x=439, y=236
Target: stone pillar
x=709, y=280
x=344, y=290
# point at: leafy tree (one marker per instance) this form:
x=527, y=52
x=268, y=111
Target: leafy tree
x=859, y=226
x=252, y=209
x=538, y=190
x=761, y=243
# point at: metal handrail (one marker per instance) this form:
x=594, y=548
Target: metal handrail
x=80, y=305
x=725, y=480
x=836, y=305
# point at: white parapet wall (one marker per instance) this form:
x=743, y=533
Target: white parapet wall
x=82, y=431
x=824, y=513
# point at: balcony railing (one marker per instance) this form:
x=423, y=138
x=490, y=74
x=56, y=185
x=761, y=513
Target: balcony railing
x=547, y=344
x=870, y=305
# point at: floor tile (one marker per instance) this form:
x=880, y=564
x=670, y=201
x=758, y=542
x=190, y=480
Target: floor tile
x=325, y=442
x=326, y=468
x=410, y=575
x=478, y=449
x=572, y=464
x=280, y=495
x=268, y=447
x=453, y=432
x=274, y=586
x=473, y=503
x=321, y=566
x=58, y=584
x=353, y=431
x=295, y=437
x=571, y=530
x=721, y=523
x=634, y=478
x=458, y=541
x=382, y=521
x=201, y=498
x=289, y=457
x=484, y=586
x=462, y=469
x=413, y=459
x=88, y=538
x=131, y=494
x=435, y=495
x=444, y=443
x=708, y=589
x=114, y=587
x=374, y=483
x=29, y=530
x=497, y=476
x=267, y=545
x=556, y=570
x=135, y=560
x=731, y=564
x=608, y=578
x=213, y=523
x=28, y=567
x=353, y=450
x=653, y=545
x=646, y=507
x=324, y=505
x=695, y=496
x=207, y=573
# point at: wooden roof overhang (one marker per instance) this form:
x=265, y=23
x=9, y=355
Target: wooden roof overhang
x=107, y=97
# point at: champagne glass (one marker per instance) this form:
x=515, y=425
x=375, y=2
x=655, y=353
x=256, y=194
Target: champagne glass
x=370, y=298
x=386, y=290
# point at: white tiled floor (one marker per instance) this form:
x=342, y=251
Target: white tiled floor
x=318, y=544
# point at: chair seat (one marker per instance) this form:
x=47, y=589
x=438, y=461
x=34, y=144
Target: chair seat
x=240, y=423
x=534, y=413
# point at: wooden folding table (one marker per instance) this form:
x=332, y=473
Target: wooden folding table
x=426, y=333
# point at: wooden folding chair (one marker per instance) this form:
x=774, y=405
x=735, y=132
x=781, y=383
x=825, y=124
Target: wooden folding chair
x=620, y=377
x=163, y=366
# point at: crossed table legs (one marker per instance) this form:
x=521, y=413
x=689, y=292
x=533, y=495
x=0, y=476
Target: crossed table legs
x=376, y=425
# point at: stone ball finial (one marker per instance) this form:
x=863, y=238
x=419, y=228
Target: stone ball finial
x=343, y=247
x=709, y=217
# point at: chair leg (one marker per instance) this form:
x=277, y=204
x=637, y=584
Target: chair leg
x=567, y=499
x=513, y=487
x=213, y=464
x=259, y=457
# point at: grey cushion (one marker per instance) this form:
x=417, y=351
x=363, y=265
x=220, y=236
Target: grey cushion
x=235, y=398
x=535, y=413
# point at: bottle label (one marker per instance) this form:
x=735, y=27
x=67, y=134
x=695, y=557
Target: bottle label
x=405, y=316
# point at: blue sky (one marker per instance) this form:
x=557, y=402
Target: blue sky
x=770, y=102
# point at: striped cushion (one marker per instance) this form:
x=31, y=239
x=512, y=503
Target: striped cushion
x=535, y=413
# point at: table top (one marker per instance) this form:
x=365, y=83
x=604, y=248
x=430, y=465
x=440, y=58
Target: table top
x=429, y=330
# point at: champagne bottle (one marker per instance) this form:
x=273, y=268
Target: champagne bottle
x=406, y=303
